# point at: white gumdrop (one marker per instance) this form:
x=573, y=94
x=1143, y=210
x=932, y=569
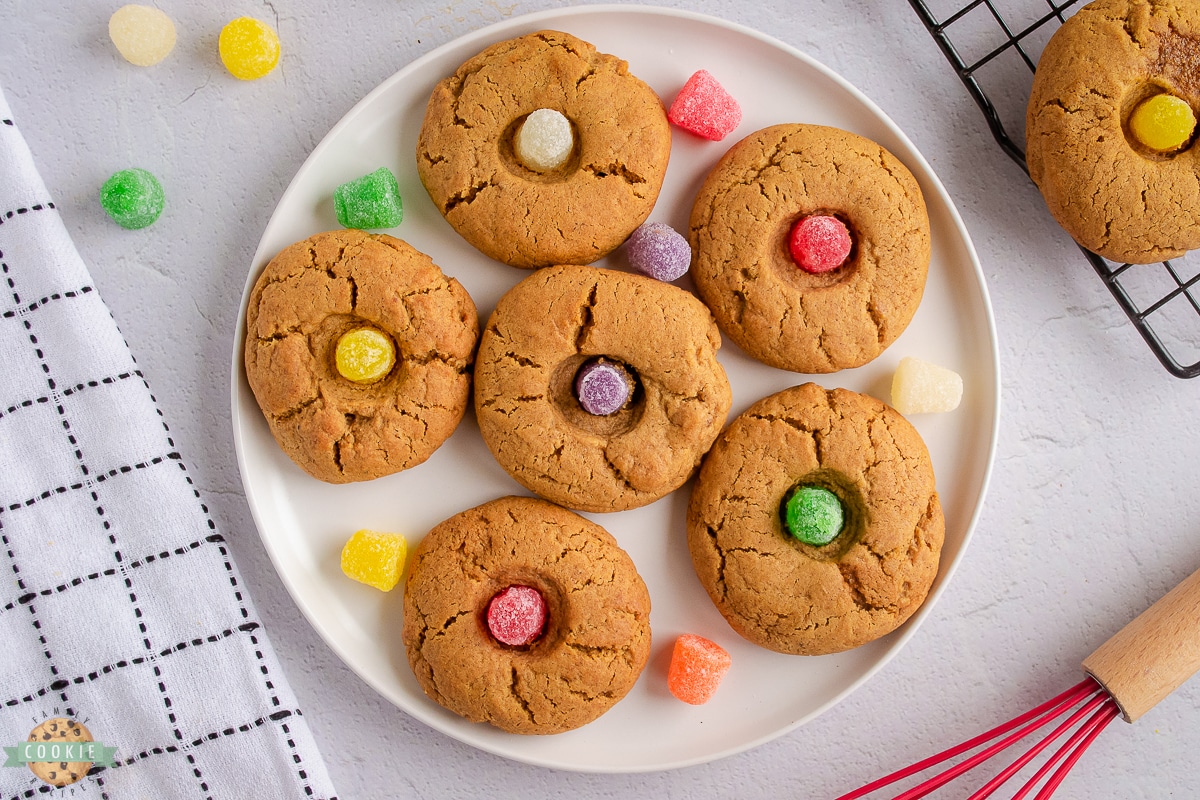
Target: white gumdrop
x=919, y=387
x=544, y=141
x=143, y=35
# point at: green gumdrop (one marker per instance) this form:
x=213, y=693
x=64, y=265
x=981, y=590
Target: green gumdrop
x=814, y=515
x=372, y=201
x=133, y=198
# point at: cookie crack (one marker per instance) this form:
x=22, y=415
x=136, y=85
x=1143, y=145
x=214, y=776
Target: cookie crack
x=514, y=688
x=587, y=319
x=466, y=196
x=615, y=170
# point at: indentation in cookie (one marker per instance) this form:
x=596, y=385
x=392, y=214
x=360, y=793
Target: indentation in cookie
x=562, y=392
x=785, y=266
x=512, y=162
x=1134, y=101
x=854, y=508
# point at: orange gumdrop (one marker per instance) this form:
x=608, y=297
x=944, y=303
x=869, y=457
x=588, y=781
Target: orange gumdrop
x=697, y=667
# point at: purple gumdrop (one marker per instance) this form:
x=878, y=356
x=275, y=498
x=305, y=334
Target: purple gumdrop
x=657, y=250
x=602, y=387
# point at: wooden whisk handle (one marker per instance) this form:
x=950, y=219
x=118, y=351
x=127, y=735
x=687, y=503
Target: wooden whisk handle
x=1154, y=654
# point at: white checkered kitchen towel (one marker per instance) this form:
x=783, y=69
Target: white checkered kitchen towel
x=120, y=605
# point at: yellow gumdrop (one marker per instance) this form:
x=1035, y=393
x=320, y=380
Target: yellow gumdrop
x=364, y=355
x=375, y=558
x=249, y=48
x=1163, y=122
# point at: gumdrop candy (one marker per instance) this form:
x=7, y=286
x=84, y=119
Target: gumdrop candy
x=814, y=515
x=705, y=108
x=697, y=667
x=372, y=201
x=1163, y=122
x=249, y=48
x=364, y=355
x=143, y=35
x=544, y=141
x=658, y=250
x=375, y=558
x=602, y=387
x=819, y=243
x=919, y=387
x=133, y=198
x=516, y=616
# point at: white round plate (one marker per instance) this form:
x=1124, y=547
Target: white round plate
x=304, y=522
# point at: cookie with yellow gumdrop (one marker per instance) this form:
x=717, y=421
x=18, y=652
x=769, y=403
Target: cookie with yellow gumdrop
x=1110, y=129
x=375, y=558
x=359, y=351
x=249, y=48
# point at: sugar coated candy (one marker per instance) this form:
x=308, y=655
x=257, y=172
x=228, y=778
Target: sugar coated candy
x=819, y=243
x=375, y=558
x=814, y=515
x=372, y=201
x=133, y=198
x=697, y=667
x=364, y=355
x=602, y=387
x=516, y=615
x=1163, y=122
x=249, y=48
x=658, y=250
x=705, y=108
x=544, y=141
x=143, y=35
x=919, y=387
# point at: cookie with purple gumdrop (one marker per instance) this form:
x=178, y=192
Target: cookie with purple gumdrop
x=603, y=387
x=658, y=250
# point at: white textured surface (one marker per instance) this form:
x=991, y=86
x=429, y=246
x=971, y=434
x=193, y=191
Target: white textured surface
x=1092, y=513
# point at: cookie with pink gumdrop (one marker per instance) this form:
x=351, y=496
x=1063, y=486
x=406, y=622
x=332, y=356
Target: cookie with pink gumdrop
x=524, y=615
x=853, y=291
x=516, y=616
x=658, y=250
x=704, y=108
x=820, y=243
x=603, y=387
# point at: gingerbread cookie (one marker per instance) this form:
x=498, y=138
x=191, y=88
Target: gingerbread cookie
x=574, y=212
x=1117, y=191
x=815, y=525
x=359, y=350
x=532, y=386
x=741, y=232
x=60, y=729
x=594, y=636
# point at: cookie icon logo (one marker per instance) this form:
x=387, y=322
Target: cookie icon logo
x=59, y=751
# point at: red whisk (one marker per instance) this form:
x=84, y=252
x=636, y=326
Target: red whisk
x=1128, y=675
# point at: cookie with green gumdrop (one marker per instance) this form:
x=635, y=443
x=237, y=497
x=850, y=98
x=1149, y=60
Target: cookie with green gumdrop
x=814, y=515
x=133, y=198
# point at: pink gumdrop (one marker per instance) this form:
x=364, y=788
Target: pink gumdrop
x=517, y=615
x=705, y=108
x=819, y=243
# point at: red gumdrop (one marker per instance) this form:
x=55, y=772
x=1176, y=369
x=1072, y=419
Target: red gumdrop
x=697, y=667
x=517, y=615
x=819, y=243
x=705, y=108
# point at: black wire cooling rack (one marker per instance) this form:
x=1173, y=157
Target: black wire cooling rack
x=994, y=47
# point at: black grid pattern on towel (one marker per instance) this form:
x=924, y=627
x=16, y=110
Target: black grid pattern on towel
x=91, y=481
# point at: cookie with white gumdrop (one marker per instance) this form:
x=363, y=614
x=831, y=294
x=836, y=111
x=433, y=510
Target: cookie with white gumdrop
x=540, y=150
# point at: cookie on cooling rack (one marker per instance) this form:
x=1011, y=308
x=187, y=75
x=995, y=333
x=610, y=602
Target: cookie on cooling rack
x=815, y=525
x=1110, y=128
